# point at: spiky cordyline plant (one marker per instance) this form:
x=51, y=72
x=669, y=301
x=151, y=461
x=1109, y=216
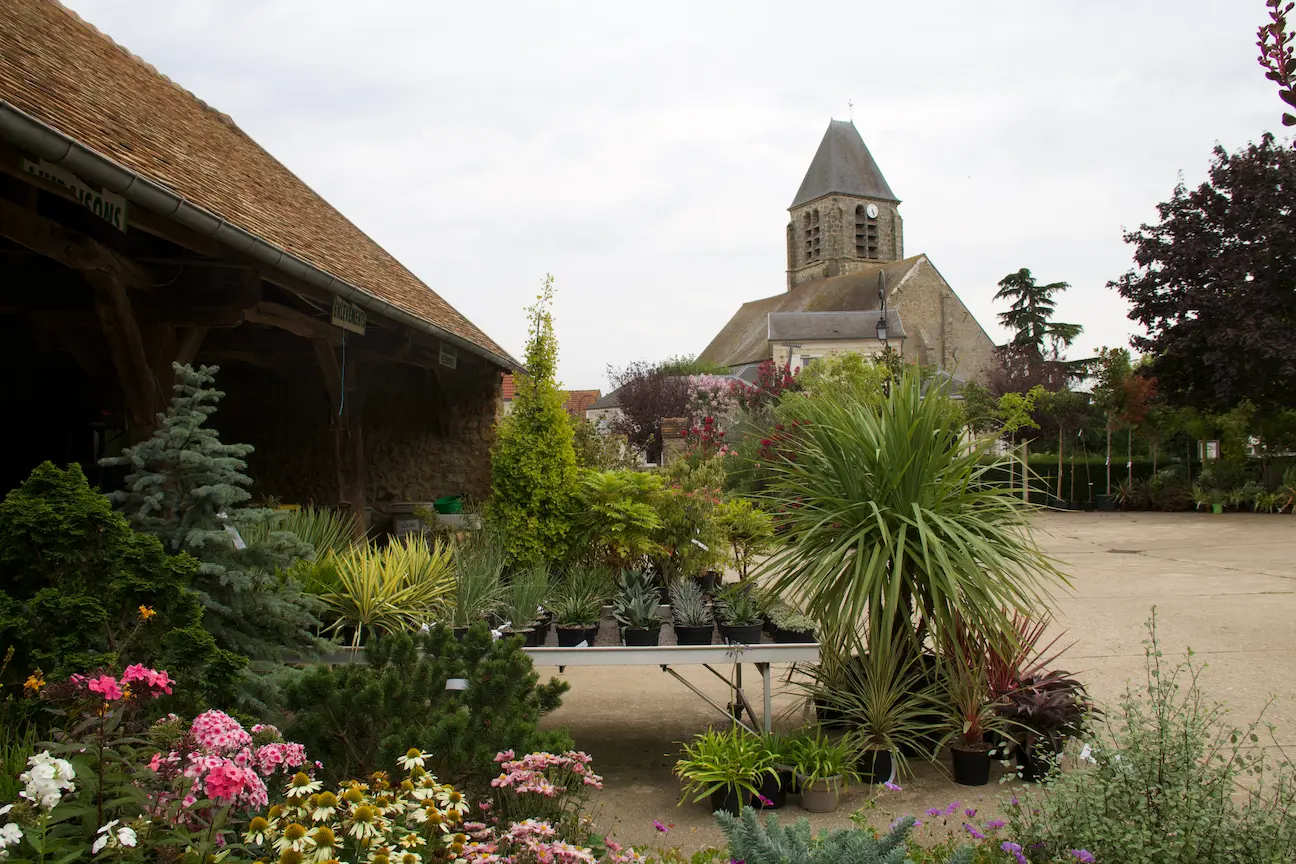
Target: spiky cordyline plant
x=891, y=515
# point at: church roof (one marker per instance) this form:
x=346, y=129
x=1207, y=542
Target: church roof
x=828, y=326
x=843, y=166
x=745, y=339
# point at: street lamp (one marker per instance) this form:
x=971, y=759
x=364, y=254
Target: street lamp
x=881, y=322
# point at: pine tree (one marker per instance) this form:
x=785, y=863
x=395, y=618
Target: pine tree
x=185, y=488
x=533, y=463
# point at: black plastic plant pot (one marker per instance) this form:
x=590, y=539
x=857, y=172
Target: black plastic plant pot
x=971, y=767
x=876, y=766
x=768, y=628
x=571, y=637
x=641, y=637
x=727, y=800
x=693, y=635
x=789, y=637
x=708, y=581
x=460, y=633
x=530, y=636
x=788, y=779
x=773, y=790
x=746, y=635
x=591, y=634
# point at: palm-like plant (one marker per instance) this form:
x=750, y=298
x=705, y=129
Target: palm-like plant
x=891, y=514
x=398, y=587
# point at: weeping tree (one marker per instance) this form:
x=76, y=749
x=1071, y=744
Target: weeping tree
x=892, y=518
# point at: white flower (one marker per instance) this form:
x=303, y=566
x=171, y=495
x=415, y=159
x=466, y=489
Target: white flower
x=126, y=836
x=47, y=778
x=5, y=809
x=10, y=834
x=413, y=758
x=104, y=834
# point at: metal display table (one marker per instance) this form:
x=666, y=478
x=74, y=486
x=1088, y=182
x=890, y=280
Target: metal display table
x=706, y=656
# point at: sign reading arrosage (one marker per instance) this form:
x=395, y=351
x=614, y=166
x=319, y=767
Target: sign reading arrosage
x=348, y=316
x=106, y=205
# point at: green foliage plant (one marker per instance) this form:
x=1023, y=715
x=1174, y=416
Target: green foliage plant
x=533, y=464
x=755, y=842
x=401, y=586
x=1166, y=777
x=527, y=590
x=749, y=531
x=689, y=607
x=638, y=605
x=817, y=756
x=82, y=589
x=731, y=760
x=889, y=514
x=578, y=600
x=691, y=540
x=601, y=449
x=479, y=561
x=360, y=717
x=185, y=487
x=974, y=714
x=740, y=605
x=785, y=617
x=619, y=514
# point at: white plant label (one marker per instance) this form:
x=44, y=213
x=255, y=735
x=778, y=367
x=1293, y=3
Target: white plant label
x=456, y=683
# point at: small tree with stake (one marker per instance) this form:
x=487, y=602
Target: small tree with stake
x=184, y=487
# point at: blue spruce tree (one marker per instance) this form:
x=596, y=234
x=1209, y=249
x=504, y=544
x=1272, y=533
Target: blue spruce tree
x=185, y=487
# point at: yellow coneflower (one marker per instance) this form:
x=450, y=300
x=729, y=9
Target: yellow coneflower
x=364, y=822
x=303, y=785
x=275, y=811
x=353, y=796
x=324, y=807
x=258, y=830
x=326, y=843
x=380, y=858
x=290, y=856
x=411, y=858
x=412, y=841
x=407, y=785
x=294, y=838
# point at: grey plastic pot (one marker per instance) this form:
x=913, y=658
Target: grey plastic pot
x=821, y=796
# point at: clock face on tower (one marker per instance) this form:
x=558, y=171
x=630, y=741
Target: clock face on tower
x=872, y=211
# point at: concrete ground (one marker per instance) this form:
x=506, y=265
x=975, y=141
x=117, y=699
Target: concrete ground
x=1224, y=585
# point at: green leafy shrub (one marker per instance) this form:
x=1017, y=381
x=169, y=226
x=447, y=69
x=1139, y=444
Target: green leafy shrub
x=1166, y=779
x=769, y=843
x=733, y=761
x=533, y=464
x=359, y=717
x=749, y=531
x=619, y=514
x=184, y=487
x=690, y=538
x=81, y=590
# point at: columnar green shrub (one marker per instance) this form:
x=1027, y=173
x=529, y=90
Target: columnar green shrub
x=1167, y=780
x=533, y=464
x=81, y=589
x=359, y=717
x=184, y=487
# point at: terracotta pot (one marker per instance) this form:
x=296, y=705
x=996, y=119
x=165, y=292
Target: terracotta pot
x=821, y=796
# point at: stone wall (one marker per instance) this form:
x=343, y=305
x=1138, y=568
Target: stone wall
x=837, y=252
x=941, y=331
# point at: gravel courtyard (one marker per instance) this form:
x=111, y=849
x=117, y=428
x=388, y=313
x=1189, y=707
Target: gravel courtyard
x=1223, y=585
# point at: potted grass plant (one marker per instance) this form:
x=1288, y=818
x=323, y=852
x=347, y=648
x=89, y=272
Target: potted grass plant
x=727, y=766
x=479, y=561
x=637, y=610
x=975, y=717
x=577, y=605
x=521, y=609
x=690, y=614
x=741, y=614
x=824, y=766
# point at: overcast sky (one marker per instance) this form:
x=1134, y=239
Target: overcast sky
x=645, y=154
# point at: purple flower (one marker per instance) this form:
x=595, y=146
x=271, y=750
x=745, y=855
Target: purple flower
x=1015, y=850
x=976, y=835
x=995, y=824
x=952, y=809
x=1015, y=802
x=935, y=811
x=765, y=802
x=660, y=827
x=1083, y=856
x=971, y=812
x=917, y=823
x=892, y=787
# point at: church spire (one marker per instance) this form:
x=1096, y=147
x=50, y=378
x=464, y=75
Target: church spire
x=843, y=166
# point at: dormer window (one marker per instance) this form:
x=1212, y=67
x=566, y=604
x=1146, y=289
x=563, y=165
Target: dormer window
x=866, y=231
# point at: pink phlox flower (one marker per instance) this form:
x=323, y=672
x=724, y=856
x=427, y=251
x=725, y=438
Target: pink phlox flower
x=217, y=731
x=106, y=686
x=151, y=678
x=225, y=781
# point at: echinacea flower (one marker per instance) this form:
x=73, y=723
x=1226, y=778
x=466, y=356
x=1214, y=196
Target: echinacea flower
x=258, y=830
x=295, y=837
x=413, y=758
x=1083, y=856
x=325, y=806
x=326, y=843
x=364, y=822
x=302, y=785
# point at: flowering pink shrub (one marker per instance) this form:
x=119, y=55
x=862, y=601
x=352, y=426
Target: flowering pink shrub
x=548, y=789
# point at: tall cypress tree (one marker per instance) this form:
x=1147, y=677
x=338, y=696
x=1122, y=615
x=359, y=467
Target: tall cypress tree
x=533, y=463
x=185, y=487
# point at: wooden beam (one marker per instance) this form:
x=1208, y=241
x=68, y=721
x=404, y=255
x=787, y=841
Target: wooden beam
x=190, y=341
x=126, y=346
x=295, y=322
x=66, y=246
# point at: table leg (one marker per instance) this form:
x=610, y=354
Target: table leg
x=764, y=669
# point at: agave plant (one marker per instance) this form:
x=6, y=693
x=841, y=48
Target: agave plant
x=638, y=604
x=578, y=601
x=479, y=561
x=689, y=605
x=741, y=605
x=889, y=512
x=399, y=587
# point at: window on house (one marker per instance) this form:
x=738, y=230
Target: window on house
x=866, y=234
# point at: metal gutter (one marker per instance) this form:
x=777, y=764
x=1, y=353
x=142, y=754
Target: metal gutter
x=33, y=135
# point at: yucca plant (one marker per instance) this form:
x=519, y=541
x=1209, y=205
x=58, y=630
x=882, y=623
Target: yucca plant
x=689, y=605
x=528, y=588
x=578, y=601
x=479, y=561
x=398, y=587
x=889, y=512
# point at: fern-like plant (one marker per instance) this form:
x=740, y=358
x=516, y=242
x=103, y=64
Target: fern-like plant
x=619, y=514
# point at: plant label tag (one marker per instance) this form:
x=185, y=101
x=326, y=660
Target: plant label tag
x=238, y=539
x=582, y=644
x=456, y=683
x=698, y=543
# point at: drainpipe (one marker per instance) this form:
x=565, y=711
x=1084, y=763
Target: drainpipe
x=34, y=136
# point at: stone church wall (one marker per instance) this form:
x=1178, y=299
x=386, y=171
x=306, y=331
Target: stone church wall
x=941, y=330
